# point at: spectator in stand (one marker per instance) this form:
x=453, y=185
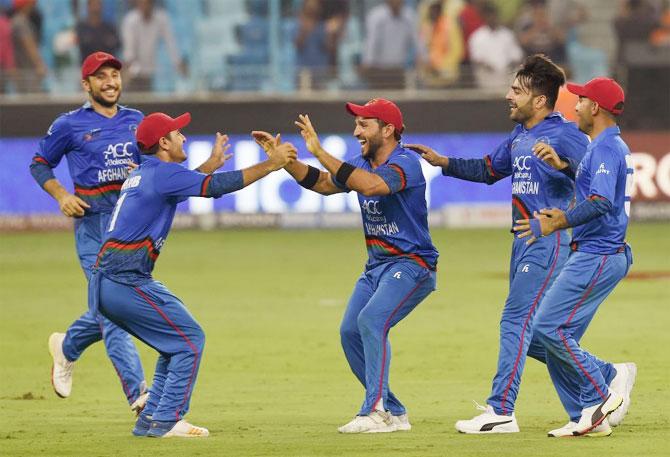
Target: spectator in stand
x=493, y=51
x=30, y=66
x=635, y=23
x=470, y=19
x=661, y=35
x=319, y=33
x=141, y=30
x=7, y=63
x=391, y=43
x=443, y=44
x=94, y=34
x=537, y=34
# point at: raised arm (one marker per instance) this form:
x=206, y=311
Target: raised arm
x=354, y=178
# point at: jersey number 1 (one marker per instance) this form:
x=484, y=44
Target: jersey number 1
x=117, y=208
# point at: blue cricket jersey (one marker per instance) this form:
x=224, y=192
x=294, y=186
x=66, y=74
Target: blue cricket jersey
x=605, y=172
x=98, y=150
x=535, y=184
x=143, y=216
x=396, y=225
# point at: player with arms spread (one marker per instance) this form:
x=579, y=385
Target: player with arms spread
x=121, y=286
x=599, y=257
x=400, y=271
x=535, y=185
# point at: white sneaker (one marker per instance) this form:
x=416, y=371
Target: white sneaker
x=488, y=422
x=595, y=415
x=375, y=422
x=61, y=370
x=139, y=404
x=401, y=422
x=603, y=429
x=183, y=429
x=623, y=382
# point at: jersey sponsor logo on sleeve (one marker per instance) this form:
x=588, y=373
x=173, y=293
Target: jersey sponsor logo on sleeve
x=602, y=169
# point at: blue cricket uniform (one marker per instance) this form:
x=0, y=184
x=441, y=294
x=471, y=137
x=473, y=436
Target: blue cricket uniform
x=399, y=273
x=533, y=268
x=122, y=287
x=600, y=258
x=98, y=150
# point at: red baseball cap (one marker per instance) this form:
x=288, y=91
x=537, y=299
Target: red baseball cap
x=97, y=60
x=379, y=108
x=157, y=125
x=604, y=91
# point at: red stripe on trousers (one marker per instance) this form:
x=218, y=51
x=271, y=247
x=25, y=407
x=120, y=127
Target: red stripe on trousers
x=191, y=345
x=565, y=342
x=384, y=335
x=525, y=324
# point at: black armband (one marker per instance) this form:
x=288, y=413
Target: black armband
x=345, y=170
x=310, y=178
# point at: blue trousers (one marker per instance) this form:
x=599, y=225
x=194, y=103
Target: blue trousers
x=90, y=328
x=159, y=319
x=533, y=269
x=566, y=311
x=382, y=297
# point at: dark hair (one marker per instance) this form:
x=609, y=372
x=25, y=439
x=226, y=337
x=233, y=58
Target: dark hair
x=541, y=76
x=396, y=134
x=148, y=151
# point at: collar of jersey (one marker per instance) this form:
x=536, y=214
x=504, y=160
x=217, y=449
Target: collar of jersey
x=549, y=117
x=609, y=131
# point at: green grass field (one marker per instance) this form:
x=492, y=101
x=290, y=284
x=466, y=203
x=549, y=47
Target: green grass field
x=274, y=381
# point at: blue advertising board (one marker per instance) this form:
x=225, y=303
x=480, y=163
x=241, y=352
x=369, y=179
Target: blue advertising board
x=277, y=193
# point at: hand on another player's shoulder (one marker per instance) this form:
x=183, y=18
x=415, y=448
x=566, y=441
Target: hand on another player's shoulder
x=429, y=155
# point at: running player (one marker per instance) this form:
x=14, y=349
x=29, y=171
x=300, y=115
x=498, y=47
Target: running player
x=599, y=257
x=400, y=271
x=98, y=140
x=121, y=285
x=535, y=185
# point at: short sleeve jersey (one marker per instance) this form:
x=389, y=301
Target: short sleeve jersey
x=98, y=150
x=143, y=216
x=535, y=184
x=605, y=172
x=396, y=225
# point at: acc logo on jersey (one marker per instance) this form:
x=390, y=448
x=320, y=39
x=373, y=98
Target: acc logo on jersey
x=371, y=207
x=521, y=163
x=118, y=151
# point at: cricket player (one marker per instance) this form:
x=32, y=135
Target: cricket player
x=121, y=285
x=400, y=271
x=535, y=185
x=99, y=142
x=599, y=255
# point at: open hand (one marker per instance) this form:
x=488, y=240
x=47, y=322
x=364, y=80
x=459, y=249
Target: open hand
x=309, y=134
x=282, y=155
x=429, y=155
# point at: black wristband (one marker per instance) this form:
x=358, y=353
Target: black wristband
x=310, y=178
x=345, y=170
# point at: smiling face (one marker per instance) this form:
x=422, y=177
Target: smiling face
x=520, y=99
x=369, y=134
x=104, y=86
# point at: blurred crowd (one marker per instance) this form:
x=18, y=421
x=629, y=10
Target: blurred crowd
x=301, y=45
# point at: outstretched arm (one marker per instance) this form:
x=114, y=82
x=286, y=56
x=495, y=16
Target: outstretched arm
x=475, y=170
x=307, y=176
x=354, y=178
